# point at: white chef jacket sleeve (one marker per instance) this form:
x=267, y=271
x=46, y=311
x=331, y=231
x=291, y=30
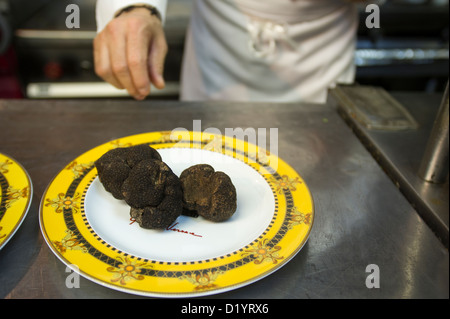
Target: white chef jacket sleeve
x=106, y=9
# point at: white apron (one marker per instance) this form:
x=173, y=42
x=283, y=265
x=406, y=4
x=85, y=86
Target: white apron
x=268, y=50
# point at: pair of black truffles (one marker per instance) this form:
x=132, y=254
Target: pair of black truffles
x=157, y=197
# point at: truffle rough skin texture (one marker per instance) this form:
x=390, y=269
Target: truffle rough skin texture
x=163, y=215
x=211, y=194
x=154, y=193
x=139, y=176
x=148, y=184
x=114, y=166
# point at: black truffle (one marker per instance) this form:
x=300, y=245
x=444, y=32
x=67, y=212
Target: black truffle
x=114, y=166
x=162, y=215
x=139, y=176
x=154, y=193
x=211, y=194
x=157, y=197
x=148, y=183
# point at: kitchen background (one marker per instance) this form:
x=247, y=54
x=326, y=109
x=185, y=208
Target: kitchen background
x=41, y=58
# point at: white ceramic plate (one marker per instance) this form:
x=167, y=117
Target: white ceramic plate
x=86, y=227
x=188, y=239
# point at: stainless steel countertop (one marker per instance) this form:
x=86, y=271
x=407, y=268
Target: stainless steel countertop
x=361, y=216
x=400, y=154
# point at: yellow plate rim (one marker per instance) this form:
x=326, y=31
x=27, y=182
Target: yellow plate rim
x=17, y=186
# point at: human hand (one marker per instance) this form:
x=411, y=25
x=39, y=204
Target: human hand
x=130, y=52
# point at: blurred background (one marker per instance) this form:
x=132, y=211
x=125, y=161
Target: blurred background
x=41, y=58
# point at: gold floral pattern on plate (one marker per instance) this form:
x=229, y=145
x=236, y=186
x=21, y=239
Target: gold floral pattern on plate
x=78, y=169
x=204, y=280
x=16, y=192
x=297, y=218
x=262, y=251
x=62, y=202
x=69, y=242
x=4, y=165
x=13, y=195
x=127, y=270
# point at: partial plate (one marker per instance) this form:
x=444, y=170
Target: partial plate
x=16, y=192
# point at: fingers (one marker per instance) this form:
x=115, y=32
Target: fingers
x=111, y=62
x=130, y=55
x=103, y=64
x=118, y=55
x=137, y=49
x=157, y=56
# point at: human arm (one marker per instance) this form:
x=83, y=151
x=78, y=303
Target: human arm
x=130, y=50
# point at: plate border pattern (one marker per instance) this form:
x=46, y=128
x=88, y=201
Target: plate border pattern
x=16, y=196
x=3, y=189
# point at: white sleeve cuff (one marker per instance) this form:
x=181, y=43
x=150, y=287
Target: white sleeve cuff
x=106, y=9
